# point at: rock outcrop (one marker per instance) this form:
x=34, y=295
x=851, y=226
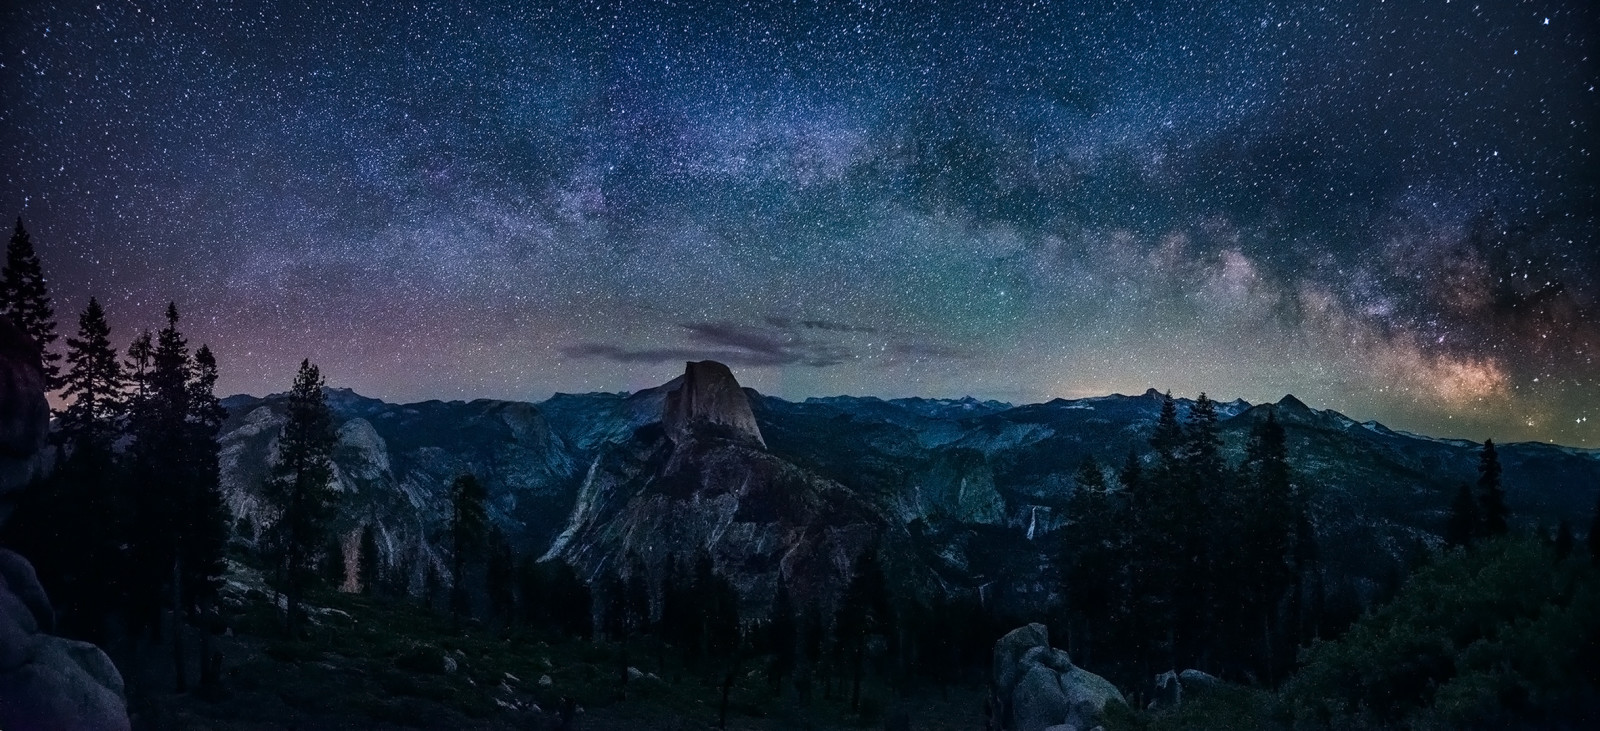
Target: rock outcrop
x=710, y=395
x=1172, y=688
x=49, y=682
x=701, y=481
x=1036, y=687
x=24, y=413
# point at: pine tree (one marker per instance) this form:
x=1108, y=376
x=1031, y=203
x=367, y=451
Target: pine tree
x=499, y=577
x=468, y=527
x=1088, y=560
x=864, y=611
x=367, y=561
x=299, y=484
x=203, y=535
x=1563, y=542
x=1491, y=496
x=1168, y=437
x=1594, y=535
x=160, y=464
x=94, y=383
x=1263, y=544
x=1462, y=526
x=782, y=636
x=140, y=353
x=1191, y=518
x=25, y=298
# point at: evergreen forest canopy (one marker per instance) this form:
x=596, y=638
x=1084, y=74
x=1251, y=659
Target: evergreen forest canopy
x=1177, y=558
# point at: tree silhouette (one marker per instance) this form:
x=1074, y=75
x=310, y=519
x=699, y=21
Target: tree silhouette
x=1491, y=496
x=1462, y=526
x=94, y=383
x=25, y=298
x=468, y=528
x=299, y=484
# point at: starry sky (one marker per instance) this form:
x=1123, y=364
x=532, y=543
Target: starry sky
x=1386, y=208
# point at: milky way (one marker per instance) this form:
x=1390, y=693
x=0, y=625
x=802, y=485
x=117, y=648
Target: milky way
x=1387, y=208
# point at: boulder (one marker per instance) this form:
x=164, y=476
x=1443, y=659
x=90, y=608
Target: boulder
x=1037, y=688
x=1172, y=687
x=1168, y=691
x=49, y=682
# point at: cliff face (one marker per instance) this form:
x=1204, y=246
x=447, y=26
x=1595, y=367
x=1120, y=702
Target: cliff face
x=702, y=481
x=709, y=394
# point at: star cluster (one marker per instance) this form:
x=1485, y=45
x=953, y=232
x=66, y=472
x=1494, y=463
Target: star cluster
x=1387, y=208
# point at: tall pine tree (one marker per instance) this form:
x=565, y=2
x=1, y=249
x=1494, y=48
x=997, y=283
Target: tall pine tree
x=1089, y=560
x=25, y=298
x=1263, y=544
x=468, y=526
x=94, y=384
x=1462, y=526
x=367, y=561
x=159, y=421
x=782, y=635
x=299, y=485
x=203, y=532
x=1491, y=496
x=1594, y=534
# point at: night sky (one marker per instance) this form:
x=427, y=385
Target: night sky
x=1386, y=208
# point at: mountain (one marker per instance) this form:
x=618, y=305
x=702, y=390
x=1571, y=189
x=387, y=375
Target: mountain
x=957, y=496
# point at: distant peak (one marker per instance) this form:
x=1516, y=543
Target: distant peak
x=1290, y=403
x=708, y=392
x=1152, y=393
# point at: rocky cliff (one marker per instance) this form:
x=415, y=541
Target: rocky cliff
x=708, y=394
x=702, y=481
x=24, y=413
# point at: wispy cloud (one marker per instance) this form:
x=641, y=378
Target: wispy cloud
x=778, y=341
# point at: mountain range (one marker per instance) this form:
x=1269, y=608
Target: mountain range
x=958, y=496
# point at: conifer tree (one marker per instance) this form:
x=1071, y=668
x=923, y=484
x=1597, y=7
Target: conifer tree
x=25, y=298
x=499, y=575
x=203, y=533
x=160, y=465
x=1193, y=521
x=1263, y=545
x=1089, y=560
x=1491, y=496
x=1462, y=526
x=864, y=611
x=367, y=560
x=1168, y=437
x=299, y=484
x=468, y=528
x=94, y=383
x=782, y=635
x=140, y=353
x=1594, y=534
x=1563, y=542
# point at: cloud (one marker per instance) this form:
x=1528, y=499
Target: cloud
x=779, y=341
x=786, y=323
